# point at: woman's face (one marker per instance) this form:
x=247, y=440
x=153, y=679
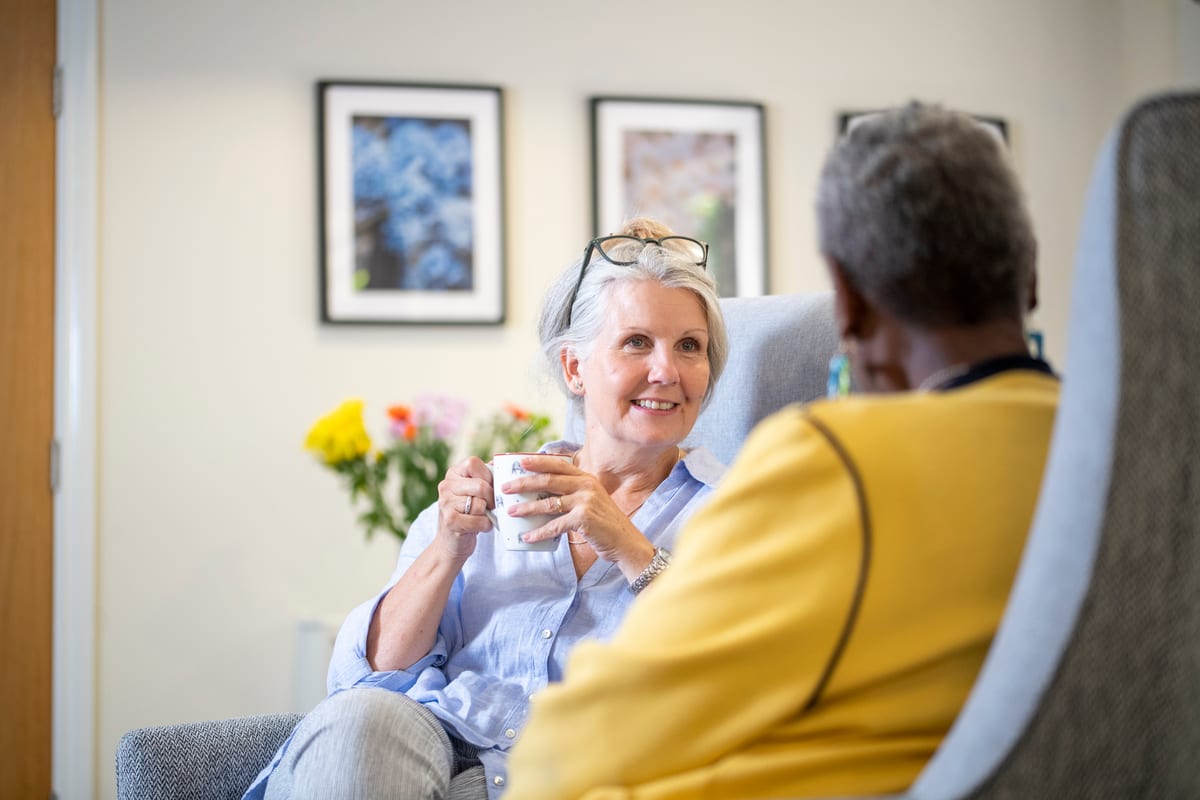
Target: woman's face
x=647, y=371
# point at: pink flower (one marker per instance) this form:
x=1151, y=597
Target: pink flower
x=443, y=413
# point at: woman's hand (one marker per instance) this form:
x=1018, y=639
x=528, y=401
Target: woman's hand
x=583, y=508
x=464, y=496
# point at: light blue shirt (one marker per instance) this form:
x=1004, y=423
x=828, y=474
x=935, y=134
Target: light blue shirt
x=512, y=619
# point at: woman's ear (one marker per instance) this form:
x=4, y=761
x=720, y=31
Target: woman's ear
x=851, y=311
x=570, y=368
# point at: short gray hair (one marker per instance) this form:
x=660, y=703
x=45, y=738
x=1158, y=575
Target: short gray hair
x=592, y=308
x=921, y=208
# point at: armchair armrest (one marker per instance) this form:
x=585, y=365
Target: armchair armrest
x=200, y=760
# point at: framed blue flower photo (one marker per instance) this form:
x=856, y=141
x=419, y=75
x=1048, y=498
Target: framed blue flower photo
x=411, y=198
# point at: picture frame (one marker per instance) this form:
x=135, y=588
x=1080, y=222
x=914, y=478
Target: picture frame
x=411, y=195
x=697, y=165
x=996, y=125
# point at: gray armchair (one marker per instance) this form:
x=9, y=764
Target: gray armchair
x=780, y=348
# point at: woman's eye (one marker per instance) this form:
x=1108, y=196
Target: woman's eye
x=637, y=341
x=690, y=345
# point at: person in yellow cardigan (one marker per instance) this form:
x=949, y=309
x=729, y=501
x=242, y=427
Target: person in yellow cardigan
x=824, y=616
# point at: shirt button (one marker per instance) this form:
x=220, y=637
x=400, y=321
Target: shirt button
x=498, y=780
x=546, y=634
x=510, y=733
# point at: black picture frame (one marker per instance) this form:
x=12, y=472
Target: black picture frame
x=697, y=165
x=411, y=197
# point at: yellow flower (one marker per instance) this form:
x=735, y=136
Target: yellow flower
x=340, y=435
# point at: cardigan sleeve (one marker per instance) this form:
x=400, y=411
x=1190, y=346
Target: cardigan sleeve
x=731, y=640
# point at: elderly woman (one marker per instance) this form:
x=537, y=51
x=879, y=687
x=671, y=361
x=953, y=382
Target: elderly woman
x=430, y=680
x=827, y=612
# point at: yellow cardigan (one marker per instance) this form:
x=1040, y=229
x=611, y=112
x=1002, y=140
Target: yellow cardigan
x=824, y=616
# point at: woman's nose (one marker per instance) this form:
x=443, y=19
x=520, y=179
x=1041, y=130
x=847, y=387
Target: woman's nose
x=663, y=368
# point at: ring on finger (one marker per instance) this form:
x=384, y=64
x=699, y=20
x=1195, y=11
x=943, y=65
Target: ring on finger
x=558, y=506
x=467, y=502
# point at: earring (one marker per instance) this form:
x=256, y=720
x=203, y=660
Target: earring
x=577, y=385
x=839, y=374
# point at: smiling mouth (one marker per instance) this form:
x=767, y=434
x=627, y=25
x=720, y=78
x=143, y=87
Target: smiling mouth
x=655, y=405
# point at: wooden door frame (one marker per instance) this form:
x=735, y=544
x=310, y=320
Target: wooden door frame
x=76, y=242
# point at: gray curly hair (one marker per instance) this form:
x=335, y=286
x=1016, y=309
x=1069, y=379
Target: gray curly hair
x=921, y=208
x=561, y=326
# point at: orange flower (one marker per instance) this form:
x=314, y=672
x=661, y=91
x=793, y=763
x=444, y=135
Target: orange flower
x=517, y=412
x=402, y=425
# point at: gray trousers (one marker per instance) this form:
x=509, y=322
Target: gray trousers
x=372, y=743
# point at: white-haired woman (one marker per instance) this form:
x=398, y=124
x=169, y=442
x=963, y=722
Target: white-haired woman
x=430, y=679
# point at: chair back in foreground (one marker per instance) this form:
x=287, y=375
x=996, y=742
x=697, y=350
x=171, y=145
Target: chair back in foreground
x=1092, y=686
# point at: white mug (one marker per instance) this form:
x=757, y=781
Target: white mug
x=505, y=467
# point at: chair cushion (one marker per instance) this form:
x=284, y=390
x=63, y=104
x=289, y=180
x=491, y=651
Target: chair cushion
x=199, y=761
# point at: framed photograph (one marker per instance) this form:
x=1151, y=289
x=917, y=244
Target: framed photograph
x=699, y=166
x=411, y=197
x=847, y=120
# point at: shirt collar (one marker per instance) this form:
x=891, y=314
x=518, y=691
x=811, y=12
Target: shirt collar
x=994, y=366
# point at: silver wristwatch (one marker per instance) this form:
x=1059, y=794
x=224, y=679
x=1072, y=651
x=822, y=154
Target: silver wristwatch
x=662, y=557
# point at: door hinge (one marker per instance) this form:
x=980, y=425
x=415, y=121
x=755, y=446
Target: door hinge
x=55, y=462
x=56, y=93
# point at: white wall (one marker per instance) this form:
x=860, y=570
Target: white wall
x=216, y=532
x=1187, y=26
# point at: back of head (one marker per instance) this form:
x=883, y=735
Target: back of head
x=574, y=319
x=923, y=212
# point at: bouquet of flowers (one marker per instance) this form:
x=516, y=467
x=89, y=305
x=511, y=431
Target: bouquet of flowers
x=417, y=456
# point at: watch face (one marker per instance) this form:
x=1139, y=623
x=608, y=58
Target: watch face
x=664, y=554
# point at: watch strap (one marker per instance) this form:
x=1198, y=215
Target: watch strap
x=662, y=558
